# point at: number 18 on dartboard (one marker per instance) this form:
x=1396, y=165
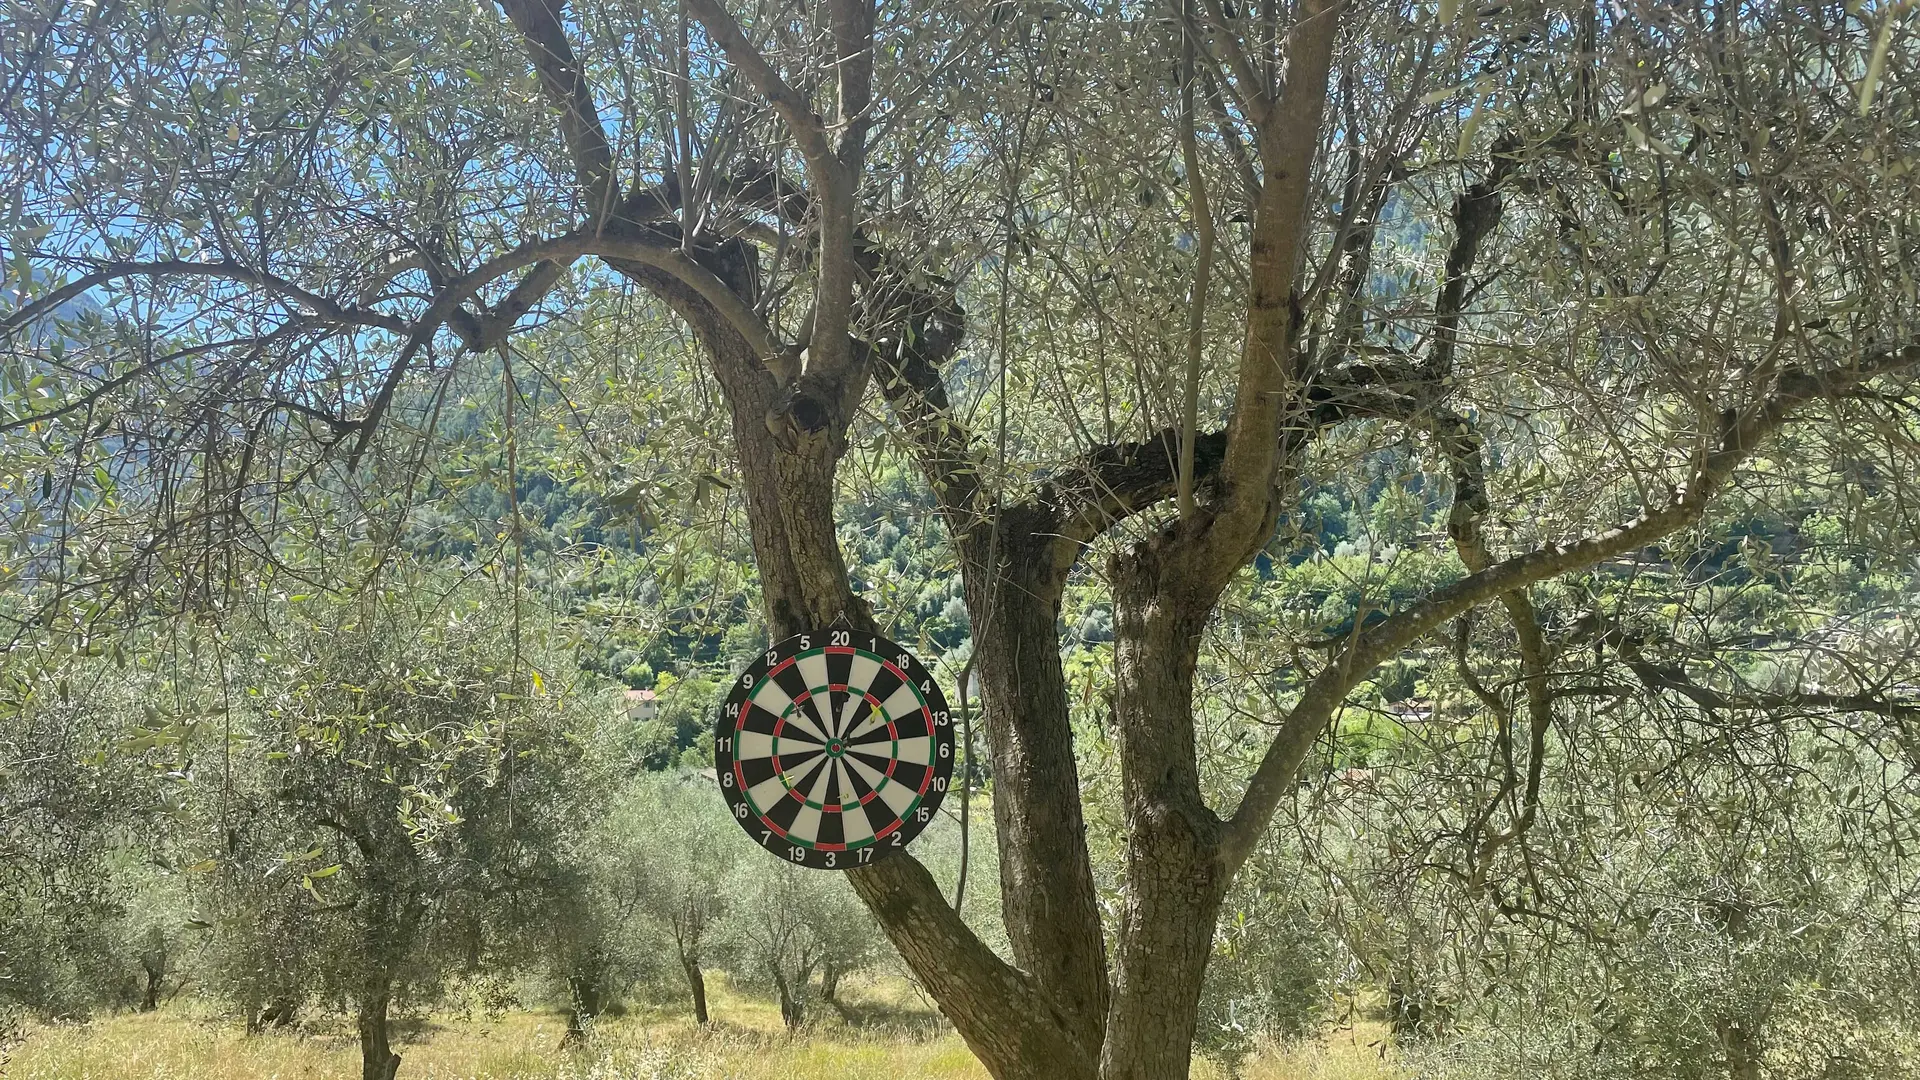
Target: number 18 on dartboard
x=834, y=749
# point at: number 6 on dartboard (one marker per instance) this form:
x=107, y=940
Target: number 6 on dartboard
x=825, y=746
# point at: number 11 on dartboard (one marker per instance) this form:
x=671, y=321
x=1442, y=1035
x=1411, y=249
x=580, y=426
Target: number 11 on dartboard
x=834, y=749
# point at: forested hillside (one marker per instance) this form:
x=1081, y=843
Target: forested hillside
x=1412, y=507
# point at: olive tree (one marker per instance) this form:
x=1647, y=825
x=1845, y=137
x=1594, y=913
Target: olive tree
x=787, y=928
x=1592, y=263
x=688, y=851
x=412, y=772
x=87, y=918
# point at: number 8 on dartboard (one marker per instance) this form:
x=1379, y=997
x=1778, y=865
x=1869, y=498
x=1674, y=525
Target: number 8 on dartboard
x=834, y=749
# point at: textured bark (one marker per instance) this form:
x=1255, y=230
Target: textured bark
x=1046, y=876
x=1016, y=1030
x=155, y=972
x=583, y=1004
x=793, y=1012
x=1175, y=879
x=697, y=986
x=377, y=1059
x=1743, y=1058
x=279, y=1013
x=1014, y=564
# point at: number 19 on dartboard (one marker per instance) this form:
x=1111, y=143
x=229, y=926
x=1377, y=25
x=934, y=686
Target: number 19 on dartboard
x=834, y=749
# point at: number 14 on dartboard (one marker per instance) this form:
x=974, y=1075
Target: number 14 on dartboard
x=834, y=749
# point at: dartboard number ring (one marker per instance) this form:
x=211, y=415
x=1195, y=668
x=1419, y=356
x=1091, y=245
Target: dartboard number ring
x=834, y=749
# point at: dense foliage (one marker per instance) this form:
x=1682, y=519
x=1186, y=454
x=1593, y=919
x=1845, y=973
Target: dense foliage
x=1417, y=500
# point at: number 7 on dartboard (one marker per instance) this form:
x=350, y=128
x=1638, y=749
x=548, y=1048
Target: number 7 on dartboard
x=834, y=749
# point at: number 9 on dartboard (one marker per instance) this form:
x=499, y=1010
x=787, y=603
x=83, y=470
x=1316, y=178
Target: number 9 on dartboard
x=834, y=749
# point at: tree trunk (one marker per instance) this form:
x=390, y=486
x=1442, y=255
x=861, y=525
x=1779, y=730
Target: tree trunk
x=697, y=984
x=1046, y=875
x=830, y=992
x=1017, y=1031
x=279, y=1013
x=1175, y=877
x=830, y=984
x=792, y=1010
x=377, y=1059
x=153, y=963
x=583, y=1004
x=1743, y=1057
x=150, y=999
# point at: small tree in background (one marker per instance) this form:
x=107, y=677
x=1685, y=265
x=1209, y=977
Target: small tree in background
x=786, y=926
x=81, y=802
x=689, y=846
x=416, y=757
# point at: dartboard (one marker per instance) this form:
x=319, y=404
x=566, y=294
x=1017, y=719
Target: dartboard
x=834, y=749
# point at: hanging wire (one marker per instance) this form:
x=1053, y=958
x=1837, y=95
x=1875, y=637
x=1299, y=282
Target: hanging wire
x=515, y=537
x=1003, y=318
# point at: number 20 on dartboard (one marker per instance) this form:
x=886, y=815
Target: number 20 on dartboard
x=834, y=749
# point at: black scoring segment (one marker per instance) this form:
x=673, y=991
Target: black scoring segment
x=839, y=666
x=789, y=679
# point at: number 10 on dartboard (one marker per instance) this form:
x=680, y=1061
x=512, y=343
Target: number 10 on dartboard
x=834, y=749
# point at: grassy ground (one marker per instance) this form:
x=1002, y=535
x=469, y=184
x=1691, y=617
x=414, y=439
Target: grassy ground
x=746, y=1043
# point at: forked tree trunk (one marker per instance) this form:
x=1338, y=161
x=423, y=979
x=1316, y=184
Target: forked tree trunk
x=377, y=1059
x=793, y=1012
x=1047, y=1019
x=697, y=986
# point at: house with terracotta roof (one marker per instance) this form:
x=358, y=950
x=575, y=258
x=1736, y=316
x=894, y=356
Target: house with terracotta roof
x=642, y=705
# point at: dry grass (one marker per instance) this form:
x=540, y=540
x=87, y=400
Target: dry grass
x=658, y=1044
x=1351, y=1053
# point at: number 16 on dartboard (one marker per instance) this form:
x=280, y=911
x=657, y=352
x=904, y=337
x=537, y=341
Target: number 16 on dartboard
x=834, y=749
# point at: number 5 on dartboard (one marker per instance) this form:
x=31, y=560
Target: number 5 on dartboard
x=826, y=746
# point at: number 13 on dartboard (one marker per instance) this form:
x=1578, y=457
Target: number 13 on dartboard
x=834, y=749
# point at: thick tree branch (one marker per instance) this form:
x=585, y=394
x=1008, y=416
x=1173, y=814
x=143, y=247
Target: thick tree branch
x=542, y=23
x=808, y=128
x=853, y=69
x=586, y=241
x=1202, y=275
x=1254, y=93
x=830, y=358
x=101, y=390
x=487, y=330
x=1741, y=432
x=1266, y=389
x=657, y=206
x=996, y=1008
x=908, y=364
x=1662, y=677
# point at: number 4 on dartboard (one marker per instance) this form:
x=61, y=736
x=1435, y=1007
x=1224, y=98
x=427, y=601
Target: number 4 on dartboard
x=832, y=747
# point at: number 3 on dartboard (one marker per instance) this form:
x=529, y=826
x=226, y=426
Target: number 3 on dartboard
x=826, y=747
